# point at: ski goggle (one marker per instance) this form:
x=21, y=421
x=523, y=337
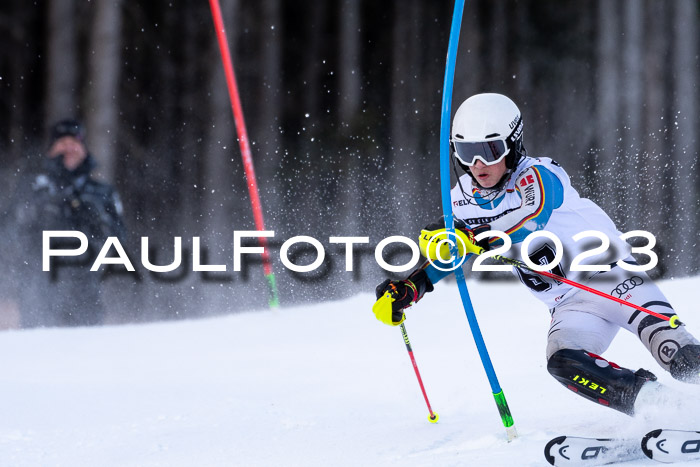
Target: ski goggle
x=488, y=152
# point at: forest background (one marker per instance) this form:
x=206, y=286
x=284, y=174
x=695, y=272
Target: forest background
x=342, y=104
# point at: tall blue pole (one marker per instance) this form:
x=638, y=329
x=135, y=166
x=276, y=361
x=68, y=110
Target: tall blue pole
x=445, y=187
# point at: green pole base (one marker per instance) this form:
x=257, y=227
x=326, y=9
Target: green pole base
x=506, y=417
x=274, y=301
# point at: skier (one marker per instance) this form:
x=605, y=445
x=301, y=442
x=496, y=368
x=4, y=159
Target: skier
x=503, y=189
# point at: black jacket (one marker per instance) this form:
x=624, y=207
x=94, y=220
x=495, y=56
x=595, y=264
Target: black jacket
x=58, y=199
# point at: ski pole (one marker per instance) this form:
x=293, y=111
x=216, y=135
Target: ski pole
x=673, y=321
x=246, y=154
x=433, y=417
x=445, y=187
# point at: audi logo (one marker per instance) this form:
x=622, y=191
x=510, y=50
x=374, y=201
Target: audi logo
x=627, y=285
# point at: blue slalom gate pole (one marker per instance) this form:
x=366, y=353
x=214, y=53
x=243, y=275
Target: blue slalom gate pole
x=445, y=188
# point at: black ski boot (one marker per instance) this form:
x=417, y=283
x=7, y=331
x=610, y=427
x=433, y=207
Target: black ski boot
x=685, y=365
x=597, y=379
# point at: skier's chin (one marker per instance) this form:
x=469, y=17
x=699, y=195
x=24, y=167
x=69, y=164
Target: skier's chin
x=486, y=180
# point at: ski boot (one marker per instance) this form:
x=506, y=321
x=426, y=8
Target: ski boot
x=599, y=380
x=685, y=365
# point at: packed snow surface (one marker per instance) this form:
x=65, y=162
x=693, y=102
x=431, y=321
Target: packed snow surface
x=319, y=385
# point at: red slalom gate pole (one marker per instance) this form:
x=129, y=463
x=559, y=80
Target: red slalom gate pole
x=244, y=145
x=433, y=417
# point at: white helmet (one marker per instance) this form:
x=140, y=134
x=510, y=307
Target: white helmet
x=488, y=127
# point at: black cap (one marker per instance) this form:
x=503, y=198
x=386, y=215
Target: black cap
x=68, y=127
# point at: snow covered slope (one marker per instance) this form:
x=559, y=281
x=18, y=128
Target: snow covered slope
x=323, y=385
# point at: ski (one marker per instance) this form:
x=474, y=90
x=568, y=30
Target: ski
x=661, y=445
x=672, y=445
x=574, y=450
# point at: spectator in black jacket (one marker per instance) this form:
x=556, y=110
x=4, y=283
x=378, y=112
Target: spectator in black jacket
x=62, y=196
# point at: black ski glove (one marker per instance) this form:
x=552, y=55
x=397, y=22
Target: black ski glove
x=484, y=242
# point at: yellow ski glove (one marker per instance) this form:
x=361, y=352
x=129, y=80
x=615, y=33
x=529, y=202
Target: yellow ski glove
x=435, y=244
x=393, y=297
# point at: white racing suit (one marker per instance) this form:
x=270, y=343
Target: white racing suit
x=590, y=322
x=538, y=196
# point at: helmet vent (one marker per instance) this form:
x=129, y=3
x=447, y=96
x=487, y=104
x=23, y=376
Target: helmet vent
x=459, y=136
x=492, y=135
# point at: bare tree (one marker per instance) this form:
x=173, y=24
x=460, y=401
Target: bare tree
x=402, y=135
x=268, y=153
x=607, y=108
x=632, y=106
x=62, y=53
x=523, y=63
x=405, y=118
x=469, y=66
x=349, y=74
x=18, y=60
x=104, y=72
x=655, y=118
x=685, y=105
x=349, y=105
